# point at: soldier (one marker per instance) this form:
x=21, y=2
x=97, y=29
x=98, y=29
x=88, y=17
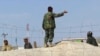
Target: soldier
x=6, y=46
x=49, y=25
x=90, y=39
x=27, y=44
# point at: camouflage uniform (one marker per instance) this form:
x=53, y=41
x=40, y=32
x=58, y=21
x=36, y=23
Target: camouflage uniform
x=6, y=48
x=49, y=25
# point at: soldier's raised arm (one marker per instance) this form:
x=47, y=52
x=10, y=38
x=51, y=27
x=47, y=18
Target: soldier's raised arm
x=60, y=14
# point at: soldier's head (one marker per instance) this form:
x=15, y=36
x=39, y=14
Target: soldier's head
x=5, y=42
x=50, y=9
x=89, y=34
x=25, y=40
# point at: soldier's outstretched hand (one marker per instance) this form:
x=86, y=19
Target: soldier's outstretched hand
x=65, y=11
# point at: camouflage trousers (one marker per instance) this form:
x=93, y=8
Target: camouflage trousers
x=49, y=34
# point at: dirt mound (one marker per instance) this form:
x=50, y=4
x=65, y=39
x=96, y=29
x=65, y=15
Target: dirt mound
x=64, y=48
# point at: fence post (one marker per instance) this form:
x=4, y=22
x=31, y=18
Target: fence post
x=35, y=44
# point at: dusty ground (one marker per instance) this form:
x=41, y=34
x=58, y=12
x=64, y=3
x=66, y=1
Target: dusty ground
x=65, y=48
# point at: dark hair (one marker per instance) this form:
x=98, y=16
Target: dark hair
x=25, y=38
x=5, y=40
x=89, y=33
x=50, y=9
